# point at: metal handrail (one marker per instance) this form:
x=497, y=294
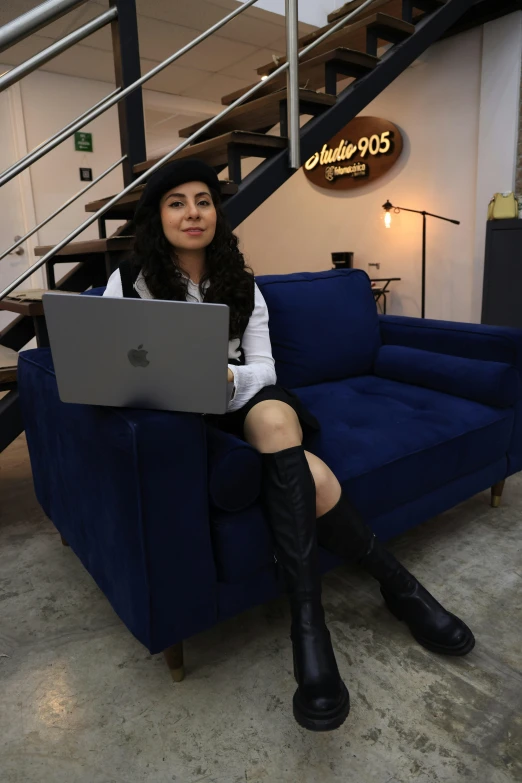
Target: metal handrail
x=15, y=74
x=292, y=48
x=69, y=125
x=95, y=112
x=201, y=131
x=45, y=13
x=67, y=203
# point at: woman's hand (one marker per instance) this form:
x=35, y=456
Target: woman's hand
x=230, y=375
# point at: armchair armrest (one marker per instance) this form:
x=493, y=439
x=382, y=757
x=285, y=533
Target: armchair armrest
x=471, y=341
x=491, y=383
x=128, y=489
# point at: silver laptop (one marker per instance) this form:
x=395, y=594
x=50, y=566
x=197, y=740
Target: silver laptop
x=140, y=353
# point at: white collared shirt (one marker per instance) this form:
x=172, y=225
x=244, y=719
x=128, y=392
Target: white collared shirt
x=259, y=368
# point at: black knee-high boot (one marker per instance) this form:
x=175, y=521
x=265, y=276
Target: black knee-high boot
x=321, y=702
x=343, y=531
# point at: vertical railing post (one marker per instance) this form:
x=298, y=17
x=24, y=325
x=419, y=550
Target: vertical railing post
x=292, y=46
x=407, y=11
x=127, y=70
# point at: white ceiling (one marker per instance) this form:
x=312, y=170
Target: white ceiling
x=223, y=63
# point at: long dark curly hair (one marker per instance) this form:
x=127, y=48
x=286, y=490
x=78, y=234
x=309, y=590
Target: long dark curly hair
x=231, y=280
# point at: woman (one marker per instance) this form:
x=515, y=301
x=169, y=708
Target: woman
x=184, y=250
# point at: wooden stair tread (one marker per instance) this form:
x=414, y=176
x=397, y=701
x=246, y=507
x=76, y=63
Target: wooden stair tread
x=312, y=71
x=215, y=151
x=391, y=7
x=353, y=36
x=8, y=365
x=89, y=246
x=259, y=113
x=29, y=308
x=126, y=205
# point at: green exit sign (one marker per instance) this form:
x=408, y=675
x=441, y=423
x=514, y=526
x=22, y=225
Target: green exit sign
x=83, y=142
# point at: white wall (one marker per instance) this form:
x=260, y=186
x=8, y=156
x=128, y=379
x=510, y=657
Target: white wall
x=44, y=103
x=443, y=105
x=50, y=101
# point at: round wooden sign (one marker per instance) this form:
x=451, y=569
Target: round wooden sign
x=361, y=152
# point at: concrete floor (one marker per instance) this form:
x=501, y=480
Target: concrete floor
x=81, y=701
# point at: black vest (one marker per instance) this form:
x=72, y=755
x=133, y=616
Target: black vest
x=129, y=275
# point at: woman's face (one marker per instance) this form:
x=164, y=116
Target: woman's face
x=188, y=216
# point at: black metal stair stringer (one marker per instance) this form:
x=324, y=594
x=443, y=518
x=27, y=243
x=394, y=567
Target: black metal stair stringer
x=269, y=176
x=11, y=424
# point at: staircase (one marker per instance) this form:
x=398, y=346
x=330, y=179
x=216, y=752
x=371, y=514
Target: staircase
x=355, y=52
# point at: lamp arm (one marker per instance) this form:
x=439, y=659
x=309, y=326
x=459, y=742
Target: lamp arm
x=449, y=220
x=405, y=209
x=423, y=212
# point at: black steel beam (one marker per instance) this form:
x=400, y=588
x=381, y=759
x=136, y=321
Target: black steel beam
x=18, y=333
x=269, y=176
x=84, y=275
x=11, y=424
x=41, y=334
x=426, y=5
x=481, y=12
x=336, y=68
x=234, y=163
x=407, y=11
x=125, y=45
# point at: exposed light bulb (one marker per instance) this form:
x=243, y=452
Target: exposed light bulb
x=263, y=78
x=387, y=220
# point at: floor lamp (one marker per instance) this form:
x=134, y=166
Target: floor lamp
x=387, y=222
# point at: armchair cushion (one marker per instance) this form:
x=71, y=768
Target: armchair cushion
x=323, y=325
x=492, y=383
x=404, y=440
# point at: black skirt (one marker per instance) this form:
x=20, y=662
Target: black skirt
x=233, y=422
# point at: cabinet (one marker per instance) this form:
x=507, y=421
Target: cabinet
x=502, y=292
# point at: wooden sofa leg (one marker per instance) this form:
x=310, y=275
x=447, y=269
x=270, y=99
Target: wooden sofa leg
x=496, y=493
x=64, y=542
x=174, y=658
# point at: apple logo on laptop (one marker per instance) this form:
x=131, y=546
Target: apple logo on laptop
x=138, y=357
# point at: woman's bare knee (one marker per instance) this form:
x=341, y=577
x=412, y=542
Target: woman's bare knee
x=327, y=487
x=272, y=426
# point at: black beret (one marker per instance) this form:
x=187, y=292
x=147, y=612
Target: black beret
x=176, y=173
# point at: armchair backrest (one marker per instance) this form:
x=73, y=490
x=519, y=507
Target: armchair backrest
x=323, y=325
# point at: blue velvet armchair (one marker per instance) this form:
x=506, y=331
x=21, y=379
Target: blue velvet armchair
x=163, y=509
